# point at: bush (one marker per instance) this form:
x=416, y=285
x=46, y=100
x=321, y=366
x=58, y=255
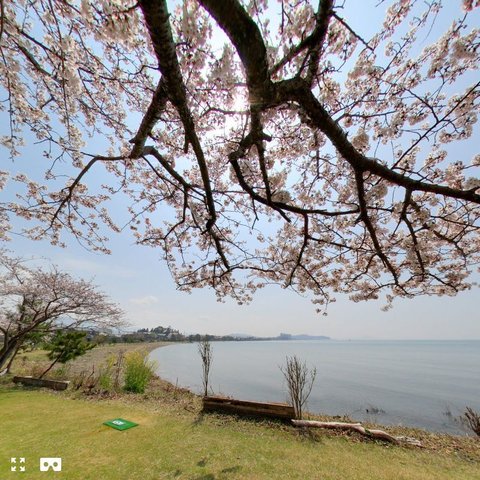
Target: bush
x=78, y=380
x=110, y=372
x=61, y=373
x=471, y=419
x=300, y=382
x=138, y=371
x=105, y=379
x=205, y=352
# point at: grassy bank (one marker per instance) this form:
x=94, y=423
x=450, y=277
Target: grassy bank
x=30, y=363
x=174, y=440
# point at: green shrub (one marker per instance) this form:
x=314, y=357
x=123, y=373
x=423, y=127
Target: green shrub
x=138, y=371
x=66, y=345
x=105, y=379
x=111, y=371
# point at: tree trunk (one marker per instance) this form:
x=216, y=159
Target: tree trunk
x=50, y=367
x=12, y=358
x=358, y=427
x=5, y=353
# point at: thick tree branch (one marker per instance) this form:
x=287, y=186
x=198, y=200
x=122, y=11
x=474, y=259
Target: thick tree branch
x=369, y=225
x=247, y=39
x=2, y=20
x=151, y=117
x=313, y=42
x=157, y=20
x=325, y=10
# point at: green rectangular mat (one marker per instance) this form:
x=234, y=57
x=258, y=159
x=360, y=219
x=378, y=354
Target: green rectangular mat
x=120, y=424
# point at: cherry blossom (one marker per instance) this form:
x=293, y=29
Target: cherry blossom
x=33, y=298
x=259, y=142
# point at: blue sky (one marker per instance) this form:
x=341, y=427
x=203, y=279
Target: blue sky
x=138, y=280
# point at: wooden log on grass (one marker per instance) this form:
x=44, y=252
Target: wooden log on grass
x=281, y=411
x=358, y=427
x=42, y=382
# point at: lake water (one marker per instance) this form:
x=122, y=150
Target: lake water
x=416, y=383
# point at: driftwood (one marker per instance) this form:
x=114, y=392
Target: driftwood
x=358, y=427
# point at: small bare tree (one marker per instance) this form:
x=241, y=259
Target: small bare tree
x=205, y=351
x=300, y=382
x=471, y=419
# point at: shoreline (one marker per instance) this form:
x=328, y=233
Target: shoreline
x=440, y=420
x=97, y=356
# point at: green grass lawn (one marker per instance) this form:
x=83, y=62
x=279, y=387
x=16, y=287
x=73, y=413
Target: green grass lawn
x=174, y=441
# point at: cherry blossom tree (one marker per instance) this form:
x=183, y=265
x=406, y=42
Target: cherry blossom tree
x=33, y=299
x=259, y=142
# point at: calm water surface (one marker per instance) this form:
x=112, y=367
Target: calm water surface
x=416, y=383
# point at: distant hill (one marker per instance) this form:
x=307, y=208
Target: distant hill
x=170, y=334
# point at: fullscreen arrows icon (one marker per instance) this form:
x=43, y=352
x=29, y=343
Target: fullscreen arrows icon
x=13, y=462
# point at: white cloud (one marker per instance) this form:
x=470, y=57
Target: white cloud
x=145, y=301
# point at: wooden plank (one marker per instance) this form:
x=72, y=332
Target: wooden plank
x=243, y=407
x=287, y=411
x=234, y=401
x=249, y=411
x=42, y=382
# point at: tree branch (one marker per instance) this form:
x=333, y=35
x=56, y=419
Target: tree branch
x=245, y=35
x=325, y=11
x=157, y=20
x=300, y=92
x=151, y=117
